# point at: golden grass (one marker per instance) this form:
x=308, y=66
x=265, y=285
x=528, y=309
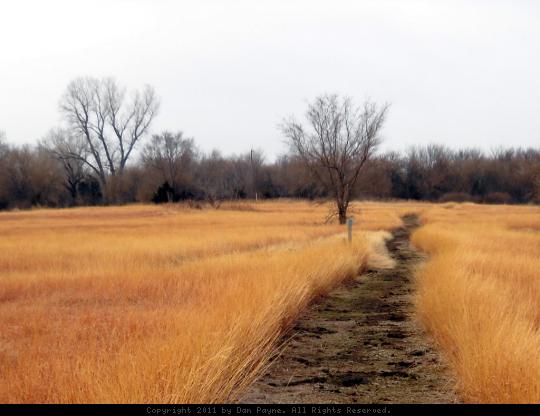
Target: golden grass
x=162, y=304
x=479, y=294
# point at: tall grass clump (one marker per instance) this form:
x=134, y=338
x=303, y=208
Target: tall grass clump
x=479, y=294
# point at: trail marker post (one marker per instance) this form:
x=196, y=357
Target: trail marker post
x=350, y=222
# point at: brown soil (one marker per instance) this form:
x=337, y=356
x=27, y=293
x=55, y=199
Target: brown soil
x=360, y=344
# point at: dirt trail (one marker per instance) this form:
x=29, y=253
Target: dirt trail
x=360, y=344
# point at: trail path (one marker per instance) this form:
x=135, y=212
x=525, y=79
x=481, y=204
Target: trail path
x=360, y=344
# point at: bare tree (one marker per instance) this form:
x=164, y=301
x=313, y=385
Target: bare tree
x=256, y=162
x=338, y=141
x=72, y=152
x=212, y=178
x=111, y=125
x=221, y=178
x=171, y=155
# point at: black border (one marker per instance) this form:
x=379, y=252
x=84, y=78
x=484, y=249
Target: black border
x=269, y=409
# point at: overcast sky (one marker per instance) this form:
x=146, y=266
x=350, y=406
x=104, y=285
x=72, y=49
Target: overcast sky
x=462, y=73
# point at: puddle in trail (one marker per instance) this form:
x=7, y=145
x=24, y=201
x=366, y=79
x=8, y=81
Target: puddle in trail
x=360, y=344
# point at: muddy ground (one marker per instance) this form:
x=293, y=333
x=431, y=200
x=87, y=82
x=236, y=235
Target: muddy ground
x=360, y=344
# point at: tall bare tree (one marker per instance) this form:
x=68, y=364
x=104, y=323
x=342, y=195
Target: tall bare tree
x=110, y=124
x=338, y=141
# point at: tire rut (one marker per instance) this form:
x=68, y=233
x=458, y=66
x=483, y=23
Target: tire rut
x=360, y=344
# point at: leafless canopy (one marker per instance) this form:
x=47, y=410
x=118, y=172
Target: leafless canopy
x=170, y=154
x=339, y=139
x=109, y=123
x=72, y=152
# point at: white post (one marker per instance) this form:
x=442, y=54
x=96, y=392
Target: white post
x=350, y=222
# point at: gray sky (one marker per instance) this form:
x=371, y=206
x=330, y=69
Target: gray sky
x=462, y=73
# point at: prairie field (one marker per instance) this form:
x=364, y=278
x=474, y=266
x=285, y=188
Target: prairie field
x=171, y=304
x=164, y=303
x=479, y=295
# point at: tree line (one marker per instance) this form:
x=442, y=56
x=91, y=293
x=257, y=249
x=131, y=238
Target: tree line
x=171, y=169
x=103, y=154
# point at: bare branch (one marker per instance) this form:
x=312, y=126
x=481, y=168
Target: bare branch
x=96, y=110
x=339, y=141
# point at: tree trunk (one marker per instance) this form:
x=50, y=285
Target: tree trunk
x=342, y=213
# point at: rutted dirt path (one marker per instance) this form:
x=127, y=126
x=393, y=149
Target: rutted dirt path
x=360, y=344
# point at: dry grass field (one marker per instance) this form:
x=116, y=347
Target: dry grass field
x=172, y=304
x=162, y=303
x=479, y=294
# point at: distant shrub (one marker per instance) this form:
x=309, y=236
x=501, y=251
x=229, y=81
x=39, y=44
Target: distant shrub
x=165, y=193
x=456, y=197
x=497, y=198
